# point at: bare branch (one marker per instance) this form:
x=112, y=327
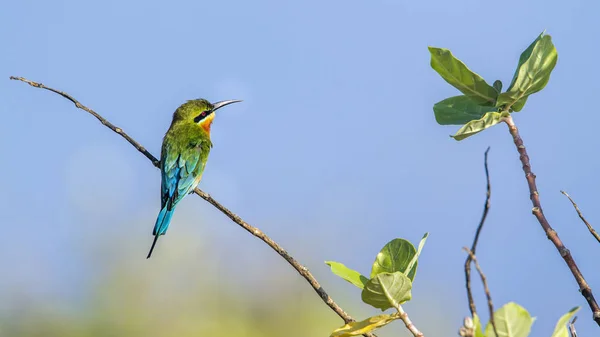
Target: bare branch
x=303, y=271
x=485, y=287
x=409, y=324
x=486, y=208
x=534, y=195
x=590, y=228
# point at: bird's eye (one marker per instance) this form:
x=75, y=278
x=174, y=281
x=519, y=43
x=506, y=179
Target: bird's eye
x=201, y=116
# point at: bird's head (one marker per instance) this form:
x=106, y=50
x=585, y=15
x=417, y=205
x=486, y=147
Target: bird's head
x=200, y=112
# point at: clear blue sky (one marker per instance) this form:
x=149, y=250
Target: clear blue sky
x=334, y=151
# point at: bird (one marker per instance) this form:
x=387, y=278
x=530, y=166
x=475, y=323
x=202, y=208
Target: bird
x=184, y=154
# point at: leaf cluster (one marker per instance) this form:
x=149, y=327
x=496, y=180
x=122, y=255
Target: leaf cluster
x=389, y=285
x=482, y=105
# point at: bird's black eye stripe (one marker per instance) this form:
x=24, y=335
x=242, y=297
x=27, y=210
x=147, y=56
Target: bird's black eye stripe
x=202, y=116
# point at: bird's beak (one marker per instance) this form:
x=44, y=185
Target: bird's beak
x=221, y=104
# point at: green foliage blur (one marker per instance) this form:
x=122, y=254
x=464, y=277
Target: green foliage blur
x=191, y=298
x=196, y=286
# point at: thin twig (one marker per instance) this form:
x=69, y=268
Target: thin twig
x=303, y=271
x=485, y=287
x=590, y=228
x=486, y=208
x=409, y=324
x=572, y=330
x=534, y=195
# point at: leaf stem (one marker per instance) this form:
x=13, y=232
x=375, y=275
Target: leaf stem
x=534, y=195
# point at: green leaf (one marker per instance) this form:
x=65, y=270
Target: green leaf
x=532, y=74
x=348, y=274
x=561, y=326
x=413, y=262
x=477, y=326
x=525, y=55
x=387, y=290
x=459, y=110
x=519, y=104
x=461, y=77
x=488, y=120
x=512, y=320
x=497, y=85
x=395, y=256
x=362, y=327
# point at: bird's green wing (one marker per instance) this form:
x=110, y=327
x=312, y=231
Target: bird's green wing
x=180, y=168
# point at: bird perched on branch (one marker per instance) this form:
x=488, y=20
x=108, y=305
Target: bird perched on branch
x=183, y=157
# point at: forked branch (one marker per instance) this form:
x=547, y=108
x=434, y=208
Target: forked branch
x=572, y=330
x=303, y=271
x=471, y=252
x=486, y=209
x=488, y=294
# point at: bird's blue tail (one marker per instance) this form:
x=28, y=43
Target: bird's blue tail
x=162, y=224
x=163, y=220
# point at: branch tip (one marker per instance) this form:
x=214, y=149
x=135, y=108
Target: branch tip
x=587, y=224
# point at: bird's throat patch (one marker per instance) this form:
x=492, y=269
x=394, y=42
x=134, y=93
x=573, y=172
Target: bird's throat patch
x=207, y=122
